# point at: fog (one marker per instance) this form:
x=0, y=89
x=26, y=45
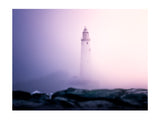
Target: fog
x=47, y=44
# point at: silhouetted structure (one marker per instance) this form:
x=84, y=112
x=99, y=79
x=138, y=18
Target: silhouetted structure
x=85, y=55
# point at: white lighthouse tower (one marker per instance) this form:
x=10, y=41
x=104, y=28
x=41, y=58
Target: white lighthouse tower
x=85, y=55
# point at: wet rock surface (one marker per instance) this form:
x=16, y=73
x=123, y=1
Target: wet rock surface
x=82, y=99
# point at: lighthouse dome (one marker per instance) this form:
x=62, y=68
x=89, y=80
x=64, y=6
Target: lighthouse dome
x=85, y=29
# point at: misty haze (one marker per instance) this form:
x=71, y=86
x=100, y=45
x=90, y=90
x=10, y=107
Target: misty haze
x=78, y=50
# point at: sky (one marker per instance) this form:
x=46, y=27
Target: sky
x=47, y=45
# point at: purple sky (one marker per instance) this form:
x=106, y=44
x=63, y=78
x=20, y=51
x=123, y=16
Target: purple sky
x=48, y=41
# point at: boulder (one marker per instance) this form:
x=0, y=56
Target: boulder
x=84, y=95
x=21, y=95
x=115, y=99
x=39, y=97
x=136, y=97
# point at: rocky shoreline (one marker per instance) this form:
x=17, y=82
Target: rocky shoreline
x=82, y=99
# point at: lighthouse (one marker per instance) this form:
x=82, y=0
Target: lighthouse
x=85, y=55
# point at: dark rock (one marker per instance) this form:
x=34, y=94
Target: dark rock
x=116, y=99
x=136, y=97
x=84, y=95
x=25, y=105
x=39, y=97
x=82, y=99
x=26, y=101
x=65, y=103
x=21, y=95
x=96, y=105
